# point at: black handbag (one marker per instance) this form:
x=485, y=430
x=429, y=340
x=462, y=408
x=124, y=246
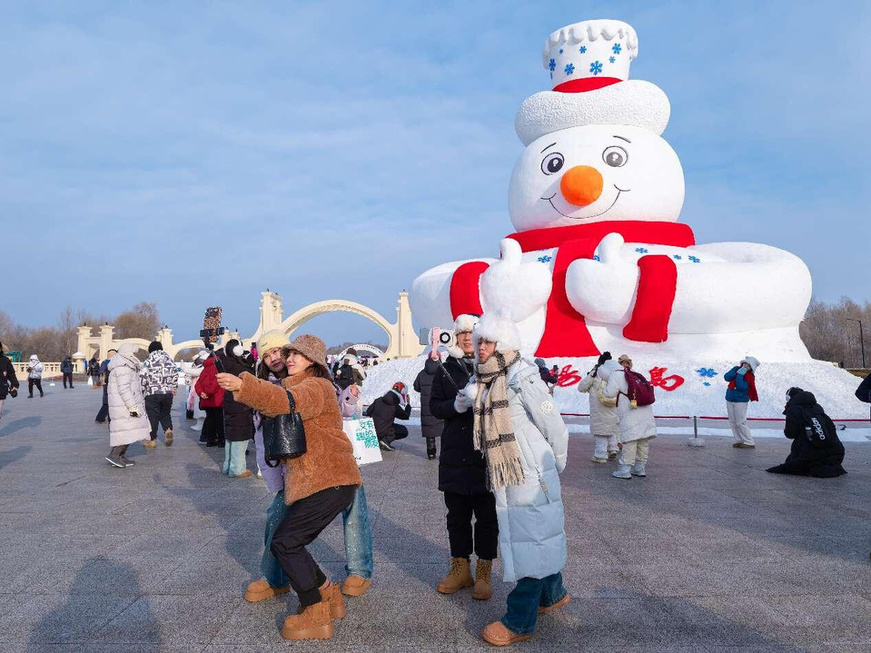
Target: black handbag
x=283, y=436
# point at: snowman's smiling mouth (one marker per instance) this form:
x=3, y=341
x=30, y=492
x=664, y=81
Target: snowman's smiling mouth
x=587, y=217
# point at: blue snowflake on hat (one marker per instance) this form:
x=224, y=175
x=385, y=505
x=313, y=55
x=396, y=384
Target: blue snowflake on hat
x=570, y=68
x=552, y=65
x=617, y=48
x=596, y=67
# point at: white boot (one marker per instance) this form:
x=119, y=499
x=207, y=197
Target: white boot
x=199, y=425
x=623, y=471
x=638, y=470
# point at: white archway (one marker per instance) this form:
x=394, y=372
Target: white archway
x=372, y=349
x=306, y=313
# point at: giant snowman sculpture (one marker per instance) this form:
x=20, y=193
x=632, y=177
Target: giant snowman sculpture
x=599, y=260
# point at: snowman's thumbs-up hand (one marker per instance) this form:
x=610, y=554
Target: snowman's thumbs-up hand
x=610, y=249
x=602, y=290
x=510, y=253
x=512, y=287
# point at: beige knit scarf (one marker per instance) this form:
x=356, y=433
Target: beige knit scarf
x=494, y=430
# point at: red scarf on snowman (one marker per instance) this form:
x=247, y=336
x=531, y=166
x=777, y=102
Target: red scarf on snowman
x=565, y=331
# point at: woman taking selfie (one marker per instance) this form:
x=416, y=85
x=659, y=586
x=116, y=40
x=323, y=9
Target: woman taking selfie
x=319, y=484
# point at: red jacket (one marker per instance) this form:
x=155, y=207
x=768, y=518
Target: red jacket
x=207, y=384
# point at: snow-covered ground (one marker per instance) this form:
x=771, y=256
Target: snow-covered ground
x=696, y=389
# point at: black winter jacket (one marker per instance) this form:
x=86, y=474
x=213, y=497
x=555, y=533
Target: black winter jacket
x=238, y=418
x=8, y=379
x=384, y=411
x=430, y=425
x=863, y=392
x=66, y=366
x=461, y=469
x=814, y=452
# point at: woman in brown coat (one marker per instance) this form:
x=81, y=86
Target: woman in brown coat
x=319, y=484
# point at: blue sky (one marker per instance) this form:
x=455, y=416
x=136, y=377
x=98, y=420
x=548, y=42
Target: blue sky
x=193, y=154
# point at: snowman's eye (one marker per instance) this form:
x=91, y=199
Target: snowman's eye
x=552, y=163
x=615, y=156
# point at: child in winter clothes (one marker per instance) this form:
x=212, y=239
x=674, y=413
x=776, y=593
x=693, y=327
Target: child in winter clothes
x=741, y=391
x=637, y=424
x=604, y=423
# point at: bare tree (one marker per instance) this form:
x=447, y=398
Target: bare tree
x=141, y=321
x=66, y=324
x=831, y=333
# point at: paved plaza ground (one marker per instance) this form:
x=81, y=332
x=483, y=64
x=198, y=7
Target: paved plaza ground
x=709, y=553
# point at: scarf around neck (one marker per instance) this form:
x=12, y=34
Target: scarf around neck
x=493, y=427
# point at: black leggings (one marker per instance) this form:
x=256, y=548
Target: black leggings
x=303, y=522
x=34, y=382
x=213, y=426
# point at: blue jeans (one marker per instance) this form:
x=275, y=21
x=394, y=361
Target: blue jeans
x=234, y=458
x=527, y=597
x=358, y=539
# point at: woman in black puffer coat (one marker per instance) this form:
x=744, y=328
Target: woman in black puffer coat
x=816, y=449
x=238, y=418
x=430, y=425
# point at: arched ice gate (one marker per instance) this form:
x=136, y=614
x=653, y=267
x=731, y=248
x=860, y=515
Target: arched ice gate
x=403, y=341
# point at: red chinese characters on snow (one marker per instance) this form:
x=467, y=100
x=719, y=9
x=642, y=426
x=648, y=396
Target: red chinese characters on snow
x=569, y=376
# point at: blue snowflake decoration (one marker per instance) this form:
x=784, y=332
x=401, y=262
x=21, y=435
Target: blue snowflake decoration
x=596, y=257
x=641, y=250
x=612, y=59
x=552, y=65
x=677, y=257
x=706, y=383
x=560, y=50
x=706, y=372
x=695, y=259
x=545, y=259
x=570, y=68
x=596, y=67
x=583, y=49
x=617, y=48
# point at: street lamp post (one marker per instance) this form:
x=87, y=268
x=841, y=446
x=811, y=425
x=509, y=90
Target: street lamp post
x=861, y=338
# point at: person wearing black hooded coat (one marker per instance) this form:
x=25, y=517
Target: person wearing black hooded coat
x=384, y=412
x=863, y=392
x=238, y=418
x=430, y=425
x=816, y=449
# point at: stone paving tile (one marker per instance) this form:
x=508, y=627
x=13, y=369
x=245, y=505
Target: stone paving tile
x=709, y=553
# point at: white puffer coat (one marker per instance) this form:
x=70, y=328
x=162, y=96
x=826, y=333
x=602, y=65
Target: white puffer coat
x=125, y=392
x=603, y=410
x=532, y=535
x=635, y=423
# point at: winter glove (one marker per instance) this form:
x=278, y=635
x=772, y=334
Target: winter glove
x=462, y=403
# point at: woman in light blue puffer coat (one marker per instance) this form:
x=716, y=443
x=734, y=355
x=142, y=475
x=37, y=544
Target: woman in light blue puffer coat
x=525, y=442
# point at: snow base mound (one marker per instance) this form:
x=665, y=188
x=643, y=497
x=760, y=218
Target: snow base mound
x=683, y=389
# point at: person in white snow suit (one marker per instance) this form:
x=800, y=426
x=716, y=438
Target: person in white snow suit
x=604, y=423
x=739, y=394
x=159, y=385
x=127, y=421
x=34, y=376
x=524, y=440
x=637, y=423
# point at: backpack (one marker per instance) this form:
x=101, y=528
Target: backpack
x=345, y=376
x=640, y=390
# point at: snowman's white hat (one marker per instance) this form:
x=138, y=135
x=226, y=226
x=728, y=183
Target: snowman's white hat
x=589, y=66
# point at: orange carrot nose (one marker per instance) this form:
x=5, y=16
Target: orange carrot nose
x=581, y=185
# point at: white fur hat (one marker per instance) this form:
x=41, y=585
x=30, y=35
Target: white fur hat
x=752, y=362
x=465, y=323
x=499, y=329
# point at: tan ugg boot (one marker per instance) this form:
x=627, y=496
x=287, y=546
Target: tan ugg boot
x=312, y=623
x=356, y=585
x=167, y=437
x=483, y=585
x=260, y=590
x=458, y=577
x=337, y=604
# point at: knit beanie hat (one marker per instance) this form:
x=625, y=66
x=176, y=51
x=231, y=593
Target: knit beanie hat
x=399, y=386
x=311, y=347
x=624, y=358
x=155, y=345
x=752, y=362
x=276, y=338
